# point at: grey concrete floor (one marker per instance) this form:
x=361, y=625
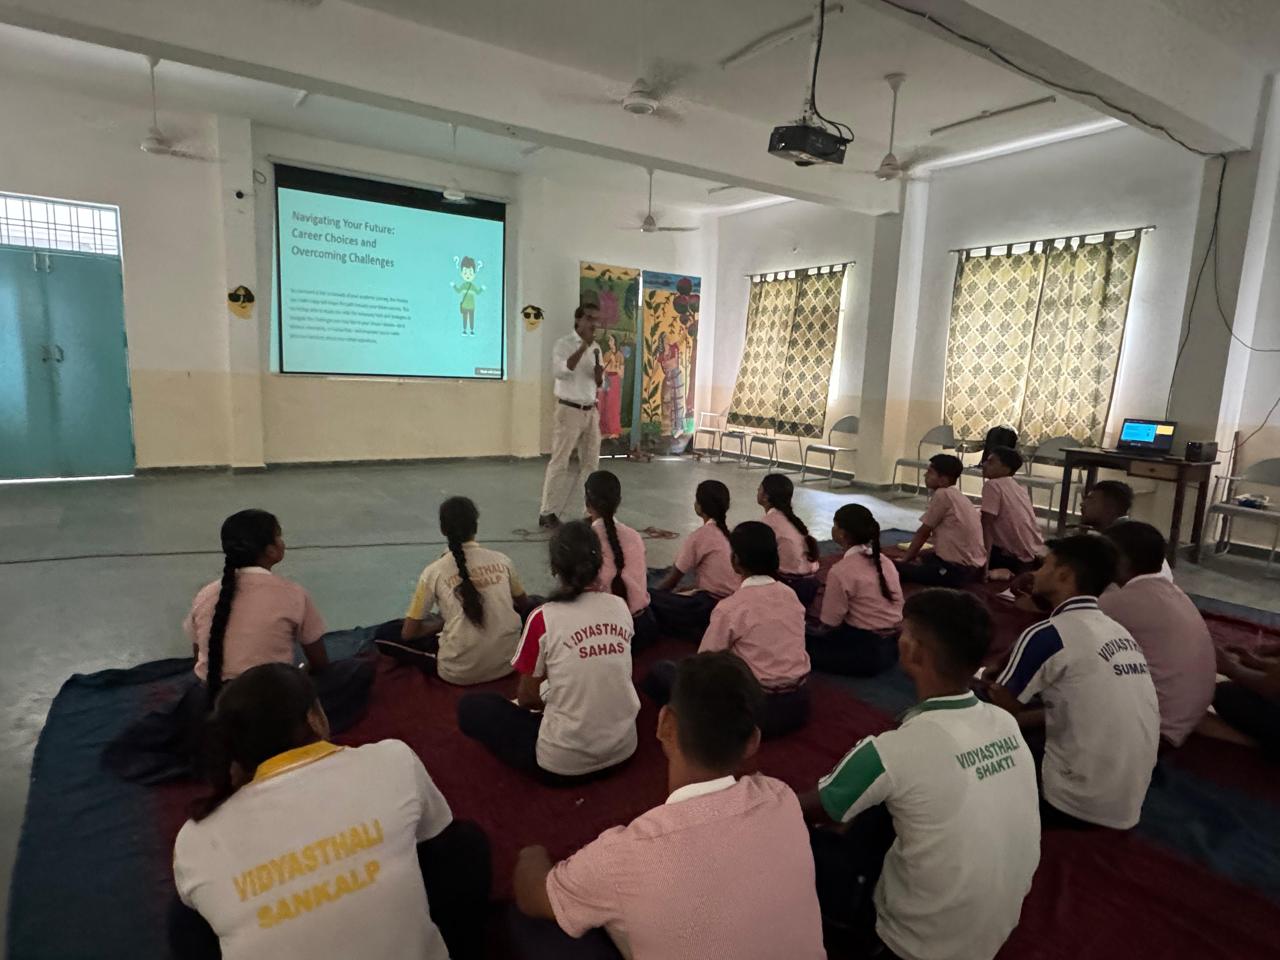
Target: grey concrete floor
x=100, y=574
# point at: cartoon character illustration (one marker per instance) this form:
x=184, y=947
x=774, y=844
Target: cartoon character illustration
x=467, y=268
x=240, y=302
x=532, y=317
x=609, y=396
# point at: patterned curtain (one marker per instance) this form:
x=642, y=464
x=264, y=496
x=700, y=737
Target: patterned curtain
x=1072, y=369
x=756, y=393
x=802, y=406
x=993, y=320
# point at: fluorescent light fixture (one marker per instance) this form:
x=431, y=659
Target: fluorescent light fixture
x=113, y=476
x=1088, y=129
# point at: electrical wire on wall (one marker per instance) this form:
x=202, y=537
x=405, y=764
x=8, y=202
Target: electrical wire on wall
x=842, y=130
x=1211, y=248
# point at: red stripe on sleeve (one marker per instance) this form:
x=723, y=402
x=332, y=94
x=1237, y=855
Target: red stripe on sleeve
x=526, y=660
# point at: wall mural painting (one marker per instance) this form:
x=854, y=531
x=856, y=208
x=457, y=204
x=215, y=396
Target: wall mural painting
x=615, y=292
x=670, y=307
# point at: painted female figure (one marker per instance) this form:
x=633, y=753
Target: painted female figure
x=610, y=395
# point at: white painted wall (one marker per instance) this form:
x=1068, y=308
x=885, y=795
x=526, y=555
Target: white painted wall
x=1118, y=179
x=782, y=237
x=66, y=145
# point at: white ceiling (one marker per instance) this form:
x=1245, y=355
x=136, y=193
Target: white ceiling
x=1250, y=26
x=686, y=39
x=122, y=77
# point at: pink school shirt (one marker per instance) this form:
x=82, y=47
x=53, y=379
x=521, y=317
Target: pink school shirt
x=269, y=614
x=726, y=873
x=763, y=623
x=1176, y=643
x=706, y=552
x=853, y=593
x=957, y=528
x=634, y=572
x=1014, y=528
x=791, y=555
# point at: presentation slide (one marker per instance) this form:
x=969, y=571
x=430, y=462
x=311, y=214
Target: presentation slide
x=378, y=279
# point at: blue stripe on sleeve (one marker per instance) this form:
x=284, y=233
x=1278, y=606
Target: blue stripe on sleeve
x=1032, y=651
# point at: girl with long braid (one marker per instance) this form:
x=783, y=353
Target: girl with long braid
x=574, y=716
x=706, y=554
x=797, y=549
x=862, y=605
x=477, y=592
x=623, y=572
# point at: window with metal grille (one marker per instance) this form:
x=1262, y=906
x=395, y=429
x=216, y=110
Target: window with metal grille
x=59, y=225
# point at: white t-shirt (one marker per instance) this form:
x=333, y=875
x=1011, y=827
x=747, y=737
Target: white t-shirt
x=583, y=648
x=579, y=384
x=317, y=857
x=1102, y=719
x=960, y=784
x=470, y=653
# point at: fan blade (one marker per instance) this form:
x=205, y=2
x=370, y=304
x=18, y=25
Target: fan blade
x=678, y=229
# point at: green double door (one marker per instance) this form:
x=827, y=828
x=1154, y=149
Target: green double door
x=64, y=373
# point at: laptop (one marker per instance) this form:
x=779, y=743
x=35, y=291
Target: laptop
x=1146, y=438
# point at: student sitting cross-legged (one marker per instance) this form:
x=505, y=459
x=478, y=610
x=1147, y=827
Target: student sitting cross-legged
x=797, y=549
x=722, y=869
x=308, y=849
x=477, y=592
x=862, y=602
x=1101, y=717
x=1166, y=624
x=763, y=623
x=953, y=524
x=941, y=813
x=575, y=712
x=623, y=570
x=1010, y=532
x=705, y=553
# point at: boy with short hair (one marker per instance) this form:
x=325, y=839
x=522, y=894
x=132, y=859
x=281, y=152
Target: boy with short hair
x=1010, y=531
x=959, y=783
x=1101, y=717
x=1107, y=503
x=762, y=622
x=952, y=521
x=1167, y=626
x=722, y=869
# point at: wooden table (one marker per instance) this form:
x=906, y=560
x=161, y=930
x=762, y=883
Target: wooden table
x=1168, y=469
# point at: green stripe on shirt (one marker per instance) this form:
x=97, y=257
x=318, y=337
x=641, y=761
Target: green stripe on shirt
x=853, y=776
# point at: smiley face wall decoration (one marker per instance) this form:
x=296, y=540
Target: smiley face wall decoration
x=240, y=302
x=532, y=317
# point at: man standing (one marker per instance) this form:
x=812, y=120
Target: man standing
x=575, y=362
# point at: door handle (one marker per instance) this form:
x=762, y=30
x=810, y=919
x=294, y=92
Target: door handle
x=48, y=268
x=61, y=355
x=45, y=356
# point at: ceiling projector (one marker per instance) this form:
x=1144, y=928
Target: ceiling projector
x=806, y=144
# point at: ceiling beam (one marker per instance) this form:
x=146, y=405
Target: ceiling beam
x=1135, y=60
x=366, y=56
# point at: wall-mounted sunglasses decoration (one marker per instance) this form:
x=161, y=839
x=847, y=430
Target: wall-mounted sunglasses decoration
x=532, y=317
x=240, y=302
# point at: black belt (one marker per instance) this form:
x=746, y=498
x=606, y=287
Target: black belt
x=576, y=406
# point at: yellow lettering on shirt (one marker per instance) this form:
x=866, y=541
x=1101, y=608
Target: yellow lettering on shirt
x=242, y=884
x=266, y=917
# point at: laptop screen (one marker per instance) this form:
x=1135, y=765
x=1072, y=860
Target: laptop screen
x=1154, y=435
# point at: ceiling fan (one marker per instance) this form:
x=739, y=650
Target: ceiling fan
x=646, y=97
x=157, y=142
x=650, y=224
x=891, y=168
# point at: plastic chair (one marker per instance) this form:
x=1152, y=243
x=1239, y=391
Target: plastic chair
x=940, y=436
x=1049, y=454
x=1265, y=473
x=709, y=423
x=770, y=439
x=846, y=425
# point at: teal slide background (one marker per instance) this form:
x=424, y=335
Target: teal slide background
x=360, y=318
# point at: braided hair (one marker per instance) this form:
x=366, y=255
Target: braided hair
x=575, y=560
x=861, y=527
x=458, y=522
x=712, y=498
x=778, y=489
x=604, y=496
x=245, y=535
x=261, y=713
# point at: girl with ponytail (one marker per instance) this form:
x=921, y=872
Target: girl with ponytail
x=574, y=715
x=862, y=605
x=278, y=784
x=706, y=554
x=624, y=572
x=251, y=616
x=477, y=592
x=797, y=549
